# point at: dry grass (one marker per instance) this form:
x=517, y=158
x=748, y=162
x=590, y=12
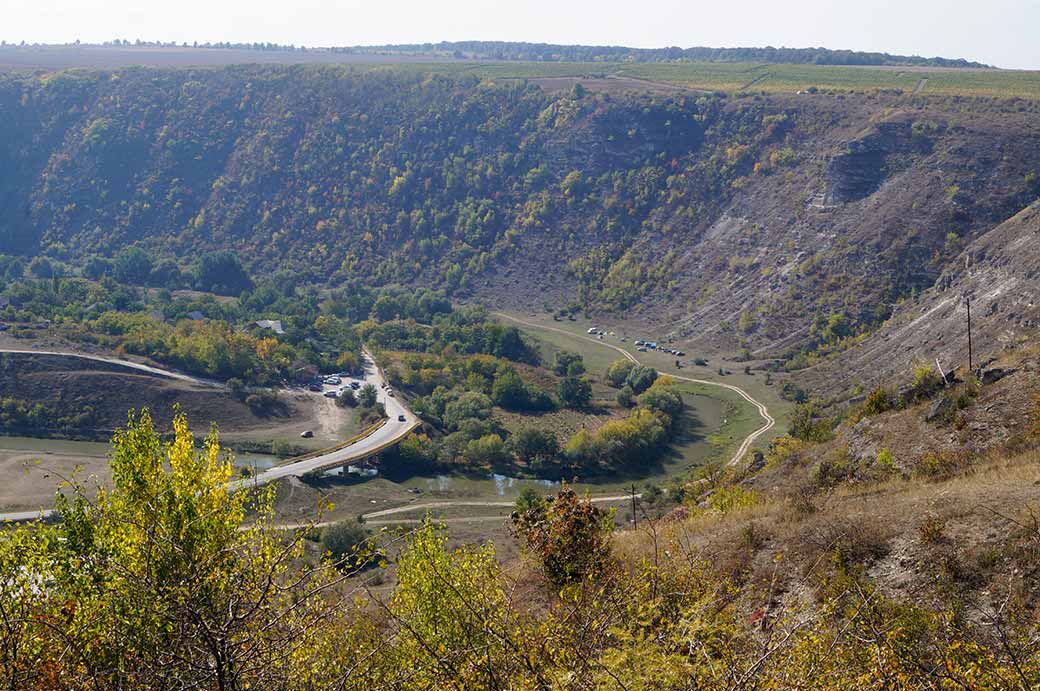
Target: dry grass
x=917, y=538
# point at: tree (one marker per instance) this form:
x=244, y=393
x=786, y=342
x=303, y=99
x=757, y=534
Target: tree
x=566, y=363
x=640, y=378
x=568, y=536
x=449, y=602
x=469, y=405
x=618, y=372
x=367, y=396
x=574, y=392
x=488, y=450
x=534, y=446
x=132, y=265
x=95, y=267
x=509, y=390
x=41, y=267
x=663, y=399
x=167, y=274
x=529, y=499
x=807, y=425
x=221, y=272
x=159, y=578
x=238, y=389
x=626, y=398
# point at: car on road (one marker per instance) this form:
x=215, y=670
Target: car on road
x=306, y=434
x=400, y=418
x=390, y=393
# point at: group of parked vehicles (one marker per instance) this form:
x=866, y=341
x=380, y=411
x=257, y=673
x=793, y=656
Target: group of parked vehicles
x=641, y=346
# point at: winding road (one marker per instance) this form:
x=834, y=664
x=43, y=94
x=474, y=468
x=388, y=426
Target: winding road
x=767, y=425
x=391, y=432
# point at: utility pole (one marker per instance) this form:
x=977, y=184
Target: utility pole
x=967, y=302
x=634, y=519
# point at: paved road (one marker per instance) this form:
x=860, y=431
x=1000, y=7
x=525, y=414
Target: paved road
x=395, y=430
x=168, y=374
x=762, y=410
x=390, y=433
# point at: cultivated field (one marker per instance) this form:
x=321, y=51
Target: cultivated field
x=555, y=76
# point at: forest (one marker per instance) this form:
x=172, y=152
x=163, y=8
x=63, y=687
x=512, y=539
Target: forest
x=502, y=190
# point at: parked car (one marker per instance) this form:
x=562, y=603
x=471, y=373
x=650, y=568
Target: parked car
x=330, y=394
x=306, y=434
x=390, y=393
x=315, y=387
x=400, y=418
x=354, y=385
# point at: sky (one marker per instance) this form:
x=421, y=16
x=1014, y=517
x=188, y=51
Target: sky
x=998, y=32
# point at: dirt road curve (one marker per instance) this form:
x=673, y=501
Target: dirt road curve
x=762, y=410
x=393, y=431
x=169, y=374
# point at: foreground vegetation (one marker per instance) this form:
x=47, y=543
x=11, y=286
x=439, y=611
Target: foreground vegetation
x=159, y=583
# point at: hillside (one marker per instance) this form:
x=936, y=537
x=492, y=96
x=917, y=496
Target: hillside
x=998, y=272
x=781, y=224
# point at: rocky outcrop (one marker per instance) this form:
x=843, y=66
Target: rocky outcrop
x=860, y=168
x=999, y=272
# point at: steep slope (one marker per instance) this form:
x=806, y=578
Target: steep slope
x=999, y=272
x=780, y=224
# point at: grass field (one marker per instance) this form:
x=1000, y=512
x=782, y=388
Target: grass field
x=726, y=77
x=598, y=356
x=755, y=77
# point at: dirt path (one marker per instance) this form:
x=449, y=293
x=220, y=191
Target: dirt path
x=129, y=364
x=762, y=410
x=380, y=517
x=920, y=86
x=669, y=86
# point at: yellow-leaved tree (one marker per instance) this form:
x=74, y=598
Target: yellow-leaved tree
x=157, y=582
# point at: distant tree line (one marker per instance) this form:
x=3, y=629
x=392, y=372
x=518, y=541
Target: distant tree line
x=549, y=52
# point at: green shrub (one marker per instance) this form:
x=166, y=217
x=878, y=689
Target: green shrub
x=346, y=543
x=877, y=401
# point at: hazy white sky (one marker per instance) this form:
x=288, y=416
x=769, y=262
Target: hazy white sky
x=1001, y=32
